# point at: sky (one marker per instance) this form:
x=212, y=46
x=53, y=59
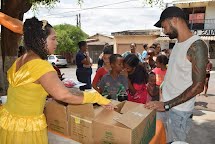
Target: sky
x=100, y=16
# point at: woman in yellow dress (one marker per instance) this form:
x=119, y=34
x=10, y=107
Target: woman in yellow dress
x=31, y=78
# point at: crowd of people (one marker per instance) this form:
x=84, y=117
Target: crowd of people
x=162, y=81
x=131, y=70
x=165, y=80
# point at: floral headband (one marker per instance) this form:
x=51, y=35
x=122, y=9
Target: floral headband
x=44, y=24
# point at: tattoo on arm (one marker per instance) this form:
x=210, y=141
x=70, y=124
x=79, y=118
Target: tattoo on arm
x=198, y=56
x=76, y=92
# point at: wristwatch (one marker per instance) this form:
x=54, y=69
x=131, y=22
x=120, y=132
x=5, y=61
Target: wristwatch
x=166, y=107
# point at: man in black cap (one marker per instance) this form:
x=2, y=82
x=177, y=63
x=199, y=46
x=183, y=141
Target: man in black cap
x=185, y=75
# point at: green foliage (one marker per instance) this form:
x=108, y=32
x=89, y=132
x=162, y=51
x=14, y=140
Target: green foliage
x=68, y=37
x=154, y=3
x=47, y=3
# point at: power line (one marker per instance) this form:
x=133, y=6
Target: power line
x=88, y=16
x=113, y=8
x=93, y=7
x=63, y=16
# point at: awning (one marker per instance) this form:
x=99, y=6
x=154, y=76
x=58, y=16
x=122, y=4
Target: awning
x=211, y=38
x=164, y=38
x=189, y=1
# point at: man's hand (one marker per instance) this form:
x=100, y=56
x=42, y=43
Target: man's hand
x=159, y=106
x=87, y=53
x=109, y=106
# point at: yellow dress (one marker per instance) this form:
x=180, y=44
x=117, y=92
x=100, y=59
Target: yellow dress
x=21, y=119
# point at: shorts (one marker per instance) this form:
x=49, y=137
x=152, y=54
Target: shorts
x=177, y=124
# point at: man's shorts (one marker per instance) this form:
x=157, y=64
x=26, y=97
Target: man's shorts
x=177, y=124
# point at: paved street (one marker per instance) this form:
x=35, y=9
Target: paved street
x=203, y=129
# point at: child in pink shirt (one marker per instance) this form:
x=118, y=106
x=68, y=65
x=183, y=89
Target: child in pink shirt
x=137, y=79
x=161, y=68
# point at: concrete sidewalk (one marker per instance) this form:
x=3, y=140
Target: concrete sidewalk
x=207, y=103
x=203, y=129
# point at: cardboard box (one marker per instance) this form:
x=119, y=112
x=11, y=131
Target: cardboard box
x=57, y=117
x=57, y=114
x=81, y=123
x=74, y=121
x=131, y=123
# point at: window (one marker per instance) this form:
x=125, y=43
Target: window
x=60, y=57
x=212, y=49
x=195, y=17
x=51, y=57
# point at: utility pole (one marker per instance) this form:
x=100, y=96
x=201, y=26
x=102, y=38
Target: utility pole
x=78, y=20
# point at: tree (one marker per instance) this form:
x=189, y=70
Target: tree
x=68, y=37
x=9, y=39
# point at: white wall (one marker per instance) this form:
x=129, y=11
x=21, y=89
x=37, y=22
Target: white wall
x=210, y=14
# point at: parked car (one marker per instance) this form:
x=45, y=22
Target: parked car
x=58, y=60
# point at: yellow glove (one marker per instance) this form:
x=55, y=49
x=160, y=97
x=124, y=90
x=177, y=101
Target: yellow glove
x=95, y=97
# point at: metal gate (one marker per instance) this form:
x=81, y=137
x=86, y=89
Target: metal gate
x=95, y=55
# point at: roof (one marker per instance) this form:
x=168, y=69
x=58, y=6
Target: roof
x=101, y=35
x=165, y=38
x=98, y=43
x=91, y=40
x=138, y=32
x=190, y=1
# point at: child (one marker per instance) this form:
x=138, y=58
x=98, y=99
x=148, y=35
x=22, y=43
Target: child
x=104, y=69
x=152, y=88
x=208, y=69
x=137, y=79
x=113, y=80
x=151, y=58
x=161, y=68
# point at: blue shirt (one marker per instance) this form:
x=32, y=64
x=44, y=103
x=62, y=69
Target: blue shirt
x=137, y=54
x=79, y=57
x=144, y=54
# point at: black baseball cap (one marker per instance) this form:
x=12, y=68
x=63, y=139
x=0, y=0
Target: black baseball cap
x=170, y=12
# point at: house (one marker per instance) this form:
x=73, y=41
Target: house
x=96, y=44
x=200, y=15
x=123, y=39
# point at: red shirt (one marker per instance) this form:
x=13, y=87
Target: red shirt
x=99, y=74
x=141, y=94
x=160, y=74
